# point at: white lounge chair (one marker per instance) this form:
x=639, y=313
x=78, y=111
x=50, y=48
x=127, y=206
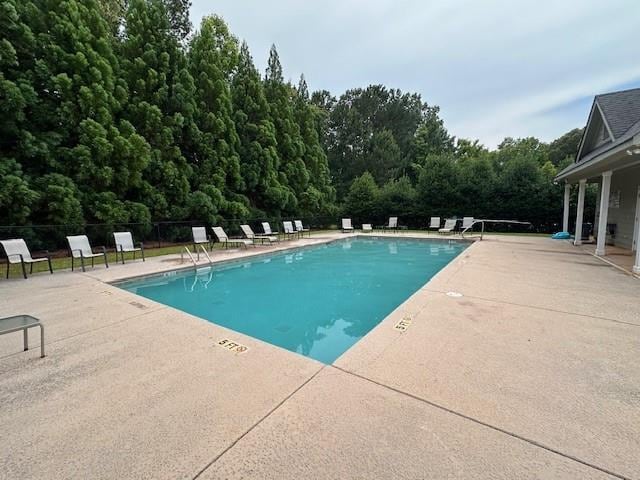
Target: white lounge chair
x=248, y=232
x=200, y=237
x=434, y=224
x=449, y=225
x=346, y=225
x=225, y=240
x=467, y=222
x=18, y=252
x=80, y=247
x=289, y=230
x=300, y=228
x=266, y=228
x=124, y=244
x=366, y=227
x=392, y=225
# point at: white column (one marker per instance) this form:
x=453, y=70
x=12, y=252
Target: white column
x=565, y=214
x=604, y=212
x=636, y=267
x=580, y=213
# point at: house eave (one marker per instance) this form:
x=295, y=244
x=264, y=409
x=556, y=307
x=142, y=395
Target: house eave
x=613, y=158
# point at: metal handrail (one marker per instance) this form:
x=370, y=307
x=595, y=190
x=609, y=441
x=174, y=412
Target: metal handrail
x=206, y=254
x=186, y=249
x=483, y=221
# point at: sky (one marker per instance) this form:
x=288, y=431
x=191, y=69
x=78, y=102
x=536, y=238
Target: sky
x=496, y=68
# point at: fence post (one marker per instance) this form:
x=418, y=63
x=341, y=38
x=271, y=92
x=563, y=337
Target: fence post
x=158, y=233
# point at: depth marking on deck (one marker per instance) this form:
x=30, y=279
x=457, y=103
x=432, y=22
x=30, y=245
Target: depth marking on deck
x=403, y=324
x=231, y=346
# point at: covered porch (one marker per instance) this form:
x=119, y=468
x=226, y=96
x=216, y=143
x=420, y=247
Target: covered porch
x=616, y=223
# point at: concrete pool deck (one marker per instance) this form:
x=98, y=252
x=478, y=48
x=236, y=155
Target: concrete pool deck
x=534, y=372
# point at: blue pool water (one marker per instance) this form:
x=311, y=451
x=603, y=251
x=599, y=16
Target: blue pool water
x=317, y=301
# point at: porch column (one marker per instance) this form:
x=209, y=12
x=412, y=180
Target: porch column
x=565, y=214
x=579, y=215
x=604, y=212
x=636, y=266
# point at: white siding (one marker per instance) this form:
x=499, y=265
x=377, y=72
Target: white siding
x=626, y=181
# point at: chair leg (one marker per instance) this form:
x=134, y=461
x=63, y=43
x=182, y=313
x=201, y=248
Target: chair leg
x=142, y=251
x=82, y=261
x=50, y=267
x=24, y=270
x=31, y=268
x=25, y=336
x=41, y=341
x=106, y=262
x=8, y=265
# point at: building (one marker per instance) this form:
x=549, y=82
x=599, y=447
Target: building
x=609, y=154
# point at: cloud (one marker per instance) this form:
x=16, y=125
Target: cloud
x=495, y=67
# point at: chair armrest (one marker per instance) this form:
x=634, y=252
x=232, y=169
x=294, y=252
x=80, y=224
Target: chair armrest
x=77, y=250
x=141, y=245
x=118, y=247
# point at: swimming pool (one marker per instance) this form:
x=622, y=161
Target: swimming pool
x=316, y=301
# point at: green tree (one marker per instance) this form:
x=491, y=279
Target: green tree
x=319, y=196
x=257, y=147
x=397, y=197
x=212, y=58
x=280, y=95
x=438, y=186
x=153, y=65
x=565, y=147
x=361, y=201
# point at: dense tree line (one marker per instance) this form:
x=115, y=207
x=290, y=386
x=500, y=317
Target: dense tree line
x=115, y=111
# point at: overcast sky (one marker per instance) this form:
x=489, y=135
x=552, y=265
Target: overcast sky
x=496, y=68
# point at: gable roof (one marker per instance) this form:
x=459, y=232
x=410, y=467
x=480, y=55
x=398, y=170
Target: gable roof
x=621, y=110
x=618, y=114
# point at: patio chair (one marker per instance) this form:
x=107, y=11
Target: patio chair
x=18, y=252
x=248, y=232
x=80, y=247
x=449, y=225
x=266, y=228
x=434, y=224
x=467, y=222
x=392, y=225
x=300, y=228
x=200, y=237
x=346, y=225
x=366, y=227
x=289, y=230
x=124, y=244
x=225, y=240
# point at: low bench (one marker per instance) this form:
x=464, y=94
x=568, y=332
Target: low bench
x=24, y=323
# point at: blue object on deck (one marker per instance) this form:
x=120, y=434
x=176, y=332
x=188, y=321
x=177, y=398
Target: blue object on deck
x=561, y=236
x=317, y=301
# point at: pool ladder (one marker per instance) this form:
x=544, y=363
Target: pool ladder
x=186, y=250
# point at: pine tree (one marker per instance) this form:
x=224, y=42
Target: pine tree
x=319, y=195
x=281, y=96
x=153, y=63
x=212, y=59
x=258, y=153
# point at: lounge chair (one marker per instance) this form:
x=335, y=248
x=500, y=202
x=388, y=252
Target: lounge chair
x=225, y=240
x=80, y=247
x=392, y=225
x=366, y=227
x=300, y=228
x=289, y=230
x=248, y=232
x=434, y=224
x=18, y=252
x=124, y=244
x=449, y=225
x=346, y=225
x=467, y=222
x=200, y=237
x=266, y=228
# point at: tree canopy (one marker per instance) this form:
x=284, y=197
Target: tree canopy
x=116, y=111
